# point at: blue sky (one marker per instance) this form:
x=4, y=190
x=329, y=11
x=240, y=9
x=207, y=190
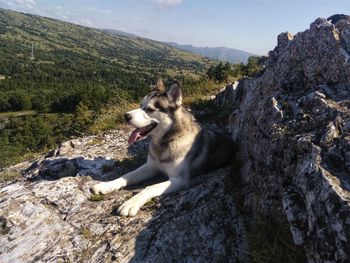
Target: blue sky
x=251, y=25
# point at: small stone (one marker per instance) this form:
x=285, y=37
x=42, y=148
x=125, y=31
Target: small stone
x=283, y=39
x=328, y=136
x=304, y=144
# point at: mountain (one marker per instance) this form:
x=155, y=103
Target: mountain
x=40, y=54
x=119, y=32
x=220, y=53
x=59, y=80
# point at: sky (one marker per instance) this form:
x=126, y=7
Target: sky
x=249, y=25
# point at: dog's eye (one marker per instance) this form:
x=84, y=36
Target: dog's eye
x=149, y=110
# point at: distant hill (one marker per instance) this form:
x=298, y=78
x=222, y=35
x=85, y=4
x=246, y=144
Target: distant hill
x=220, y=53
x=59, y=80
x=118, y=32
x=67, y=56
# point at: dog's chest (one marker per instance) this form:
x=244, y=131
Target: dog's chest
x=170, y=158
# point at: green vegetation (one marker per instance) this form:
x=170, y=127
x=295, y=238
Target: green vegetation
x=97, y=198
x=7, y=175
x=73, y=64
x=82, y=81
x=230, y=73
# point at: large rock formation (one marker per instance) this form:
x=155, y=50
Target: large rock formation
x=292, y=124
x=50, y=215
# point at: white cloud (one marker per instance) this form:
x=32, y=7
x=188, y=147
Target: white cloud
x=166, y=4
x=84, y=22
x=25, y=4
x=61, y=13
x=98, y=10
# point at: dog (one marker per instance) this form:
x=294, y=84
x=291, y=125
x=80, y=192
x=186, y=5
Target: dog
x=179, y=147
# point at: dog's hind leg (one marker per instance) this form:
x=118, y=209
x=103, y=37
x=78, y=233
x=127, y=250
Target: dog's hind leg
x=132, y=206
x=140, y=174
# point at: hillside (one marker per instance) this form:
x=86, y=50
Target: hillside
x=225, y=54
x=220, y=53
x=59, y=80
x=68, y=56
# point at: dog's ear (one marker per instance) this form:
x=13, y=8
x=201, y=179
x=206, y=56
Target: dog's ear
x=159, y=85
x=175, y=94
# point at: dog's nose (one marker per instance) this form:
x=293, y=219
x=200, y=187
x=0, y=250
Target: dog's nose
x=127, y=117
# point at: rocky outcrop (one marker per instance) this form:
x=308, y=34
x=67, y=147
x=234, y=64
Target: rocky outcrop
x=50, y=215
x=292, y=125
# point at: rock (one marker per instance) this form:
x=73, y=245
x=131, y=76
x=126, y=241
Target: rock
x=292, y=127
x=329, y=135
x=227, y=95
x=51, y=216
x=283, y=39
x=335, y=18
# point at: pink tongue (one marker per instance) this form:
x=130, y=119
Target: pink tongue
x=134, y=136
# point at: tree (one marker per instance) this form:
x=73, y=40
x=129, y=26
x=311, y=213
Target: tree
x=253, y=66
x=19, y=100
x=211, y=72
x=83, y=118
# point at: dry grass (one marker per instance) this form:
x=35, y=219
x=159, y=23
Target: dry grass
x=8, y=175
x=271, y=242
x=111, y=117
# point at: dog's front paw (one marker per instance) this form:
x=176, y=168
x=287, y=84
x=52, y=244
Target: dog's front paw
x=130, y=207
x=103, y=188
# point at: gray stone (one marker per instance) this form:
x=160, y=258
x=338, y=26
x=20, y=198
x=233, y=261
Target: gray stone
x=292, y=129
x=48, y=216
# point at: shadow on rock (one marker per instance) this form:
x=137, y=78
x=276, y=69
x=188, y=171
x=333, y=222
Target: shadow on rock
x=99, y=168
x=199, y=224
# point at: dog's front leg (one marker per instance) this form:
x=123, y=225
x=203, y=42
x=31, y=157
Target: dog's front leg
x=132, y=206
x=141, y=174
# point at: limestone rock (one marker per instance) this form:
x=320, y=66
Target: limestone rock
x=292, y=127
x=50, y=215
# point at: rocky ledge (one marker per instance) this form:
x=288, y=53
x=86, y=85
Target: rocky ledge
x=51, y=216
x=292, y=124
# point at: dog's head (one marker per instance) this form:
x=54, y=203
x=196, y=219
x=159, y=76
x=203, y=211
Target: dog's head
x=156, y=113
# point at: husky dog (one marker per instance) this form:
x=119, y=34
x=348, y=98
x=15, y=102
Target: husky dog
x=179, y=147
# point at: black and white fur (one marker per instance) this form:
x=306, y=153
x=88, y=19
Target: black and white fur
x=179, y=148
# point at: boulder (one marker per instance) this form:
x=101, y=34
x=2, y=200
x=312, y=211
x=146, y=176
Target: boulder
x=292, y=127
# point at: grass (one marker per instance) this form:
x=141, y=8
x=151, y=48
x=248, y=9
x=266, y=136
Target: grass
x=86, y=233
x=271, y=242
x=94, y=141
x=6, y=115
x=8, y=175
x=96, y=198
x=111, y=117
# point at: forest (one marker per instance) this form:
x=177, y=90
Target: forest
x=75, y=80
